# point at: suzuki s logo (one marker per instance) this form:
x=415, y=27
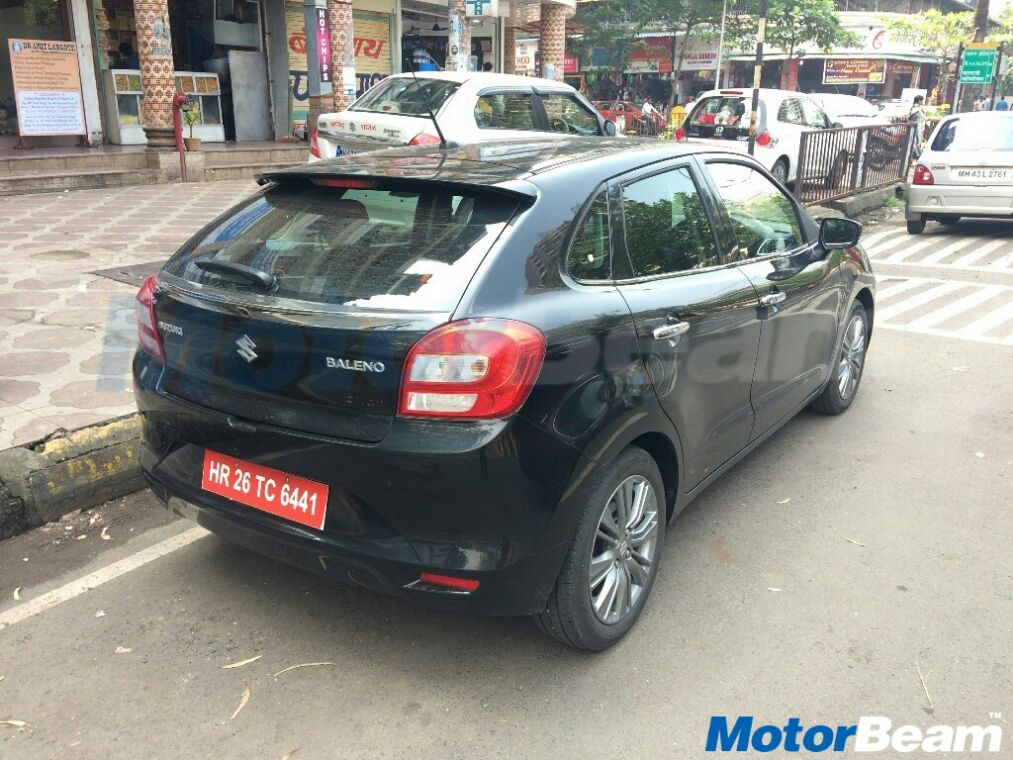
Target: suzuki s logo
x=247, y=348
x=356, y=365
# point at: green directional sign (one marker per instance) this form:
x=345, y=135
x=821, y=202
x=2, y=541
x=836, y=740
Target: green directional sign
x=978, y=63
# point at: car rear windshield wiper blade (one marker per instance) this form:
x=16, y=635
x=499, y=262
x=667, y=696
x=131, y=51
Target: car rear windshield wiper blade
x=233, y=272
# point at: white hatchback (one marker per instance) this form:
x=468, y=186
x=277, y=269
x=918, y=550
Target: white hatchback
x=470, y=107
x=721, y=117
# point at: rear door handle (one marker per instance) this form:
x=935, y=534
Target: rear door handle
x=772, y=299
x=670, y=331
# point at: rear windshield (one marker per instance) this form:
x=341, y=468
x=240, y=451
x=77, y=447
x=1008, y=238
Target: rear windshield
x=724, y=116
x=987, y=132
x=406, y=96
x=369, y=248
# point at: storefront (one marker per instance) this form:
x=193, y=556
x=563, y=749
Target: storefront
x=425, y=28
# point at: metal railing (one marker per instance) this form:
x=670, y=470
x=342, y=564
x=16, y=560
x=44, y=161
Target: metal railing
x=834, y=163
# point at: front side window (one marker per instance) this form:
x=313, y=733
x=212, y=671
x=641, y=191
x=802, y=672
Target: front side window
x=666, y=226
x=589, y=257
x=814, y=116
x=567, y=114
x=763, y=218
x=505, y=110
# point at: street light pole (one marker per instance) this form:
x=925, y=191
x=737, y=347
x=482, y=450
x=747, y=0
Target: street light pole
x=761, y=34
x=721, y=46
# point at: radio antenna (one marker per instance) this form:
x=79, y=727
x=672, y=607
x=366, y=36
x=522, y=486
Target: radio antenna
x=429, y=107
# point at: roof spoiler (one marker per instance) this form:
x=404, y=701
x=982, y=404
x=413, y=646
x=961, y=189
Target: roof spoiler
x=517, y=189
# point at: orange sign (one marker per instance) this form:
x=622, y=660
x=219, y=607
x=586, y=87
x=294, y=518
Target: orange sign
x=47, y=87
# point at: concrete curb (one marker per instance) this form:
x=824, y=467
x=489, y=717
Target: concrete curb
x=853, y=205
x=41, y=482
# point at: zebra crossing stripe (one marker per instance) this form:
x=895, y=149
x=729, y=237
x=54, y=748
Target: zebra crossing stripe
x=988, y=322
x=921, y=245
x=876, y=237
x=883, y=293
x=948, y=250
x=978, y=297
x=1002, y=263
x=979, y=253
x=884, y=315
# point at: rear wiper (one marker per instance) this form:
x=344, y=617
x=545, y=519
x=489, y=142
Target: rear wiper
x=240, y=273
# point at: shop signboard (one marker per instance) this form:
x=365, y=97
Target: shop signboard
x=854, y=70
x=47, y=87
x=699, y=54
x=651, y=54
x=372, y=48
x=483, y=7
x=324, y=46
x=570, y=64
x=978, y=63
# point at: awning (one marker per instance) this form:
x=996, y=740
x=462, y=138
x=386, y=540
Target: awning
x=911, y=58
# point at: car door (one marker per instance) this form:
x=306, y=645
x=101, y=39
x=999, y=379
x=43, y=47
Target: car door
x=832, y=153
x=798, y=284
x=788, y=130
x=512, y=112
x=696, y=317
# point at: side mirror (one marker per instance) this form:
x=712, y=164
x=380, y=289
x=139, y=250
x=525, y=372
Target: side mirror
x=839, y=233
x=610, y=128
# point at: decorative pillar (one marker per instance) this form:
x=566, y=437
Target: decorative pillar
x=458, y=36
x=509, y=48
x=339, y=19
x=154, y=42
x=553, y=41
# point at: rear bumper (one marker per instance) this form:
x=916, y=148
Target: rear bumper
x=959, y=200
x=494, y=502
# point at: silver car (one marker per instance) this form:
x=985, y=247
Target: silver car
x=966, y=169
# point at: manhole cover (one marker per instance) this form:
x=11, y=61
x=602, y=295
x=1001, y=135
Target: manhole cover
x=60, y=255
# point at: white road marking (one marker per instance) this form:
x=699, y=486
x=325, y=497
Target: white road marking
x=952, y=309
x=896, y=289
x=920, y=299
x=989, y=321
x=947, y=250
x=98, y=577
x=977, y=255
x=908, y=250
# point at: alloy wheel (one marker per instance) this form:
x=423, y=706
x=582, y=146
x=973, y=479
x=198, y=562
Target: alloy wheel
x=623, y=554
x=849, y=370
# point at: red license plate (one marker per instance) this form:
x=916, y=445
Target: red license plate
x=272, y=491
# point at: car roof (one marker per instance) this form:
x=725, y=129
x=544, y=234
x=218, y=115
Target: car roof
x=498, y=163
x=487, y=79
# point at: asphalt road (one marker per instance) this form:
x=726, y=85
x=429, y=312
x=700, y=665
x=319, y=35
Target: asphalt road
x=814, y=580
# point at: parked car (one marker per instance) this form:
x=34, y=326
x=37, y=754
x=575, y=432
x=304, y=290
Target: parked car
x=850, y=110
x=721, y=117
x=487, y=378
x=470, y=107
x=966, y=169
x=629, y=116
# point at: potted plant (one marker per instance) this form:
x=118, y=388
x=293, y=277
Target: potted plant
x=191, y=117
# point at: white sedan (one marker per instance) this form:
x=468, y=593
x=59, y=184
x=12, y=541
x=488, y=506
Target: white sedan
x=850, y=110
x=966, y=169
x=470, y=107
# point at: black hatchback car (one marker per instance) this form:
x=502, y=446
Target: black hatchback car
x=487, y=378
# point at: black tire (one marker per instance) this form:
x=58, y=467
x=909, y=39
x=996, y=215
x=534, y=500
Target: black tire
x=780, y=170
x=836, y=174
x=949, y=221
x=916, y=227
x=834, y=399
x=569, y=616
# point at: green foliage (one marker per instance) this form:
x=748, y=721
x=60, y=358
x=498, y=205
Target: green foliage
x=192, y=117
x=43, y=12
x=936, y=34
x=794, y=24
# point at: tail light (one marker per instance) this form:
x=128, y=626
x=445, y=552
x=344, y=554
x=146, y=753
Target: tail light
x=680, y=134
x=471, y=369
x=766, y=140
x=147, y=326
x=923, y=176
x=424, y=138
x=315, y=143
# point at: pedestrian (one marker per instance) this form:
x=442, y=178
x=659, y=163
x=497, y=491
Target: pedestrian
x=977, y=103
x=917, y=117
x=1001, y=105
x=986, y=103
x=648, y=108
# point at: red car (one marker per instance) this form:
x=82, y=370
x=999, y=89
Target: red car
x=629, y=117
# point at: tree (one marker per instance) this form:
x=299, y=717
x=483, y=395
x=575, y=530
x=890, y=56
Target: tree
x=792, y=24
x=936, y=34
x=1004, y=35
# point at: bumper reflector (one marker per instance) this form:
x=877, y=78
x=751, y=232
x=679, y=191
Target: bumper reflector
x=449, y=581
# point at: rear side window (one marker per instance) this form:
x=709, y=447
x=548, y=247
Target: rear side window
x=567, y=114
x=371, y=248
x=724, y=116
x=505, y=110
x=406, y=96
x=589, y=257
x=667, y=229
x=790, y=112
x=989, y=132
